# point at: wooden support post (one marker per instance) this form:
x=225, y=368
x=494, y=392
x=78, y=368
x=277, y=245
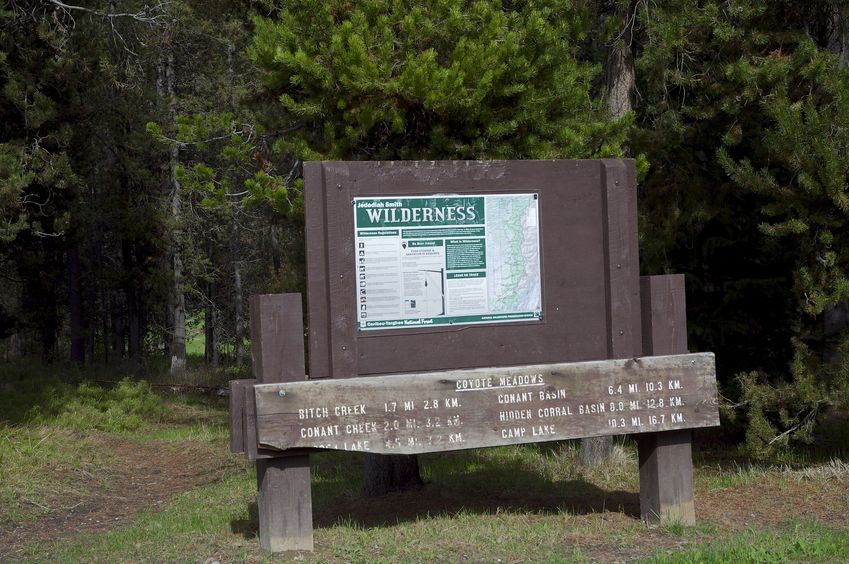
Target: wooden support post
x=666, y=477
x=284, y=502
x=666, y=459
x=284, y=496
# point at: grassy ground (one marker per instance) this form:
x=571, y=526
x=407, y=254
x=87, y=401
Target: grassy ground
x=126, y=473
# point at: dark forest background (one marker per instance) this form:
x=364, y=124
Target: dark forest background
x=150, y=162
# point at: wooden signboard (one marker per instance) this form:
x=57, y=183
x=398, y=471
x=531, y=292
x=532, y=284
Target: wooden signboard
x=459, y=304
x=485, y=407
x=588, y=264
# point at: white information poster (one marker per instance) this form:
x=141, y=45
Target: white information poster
x=454, y=259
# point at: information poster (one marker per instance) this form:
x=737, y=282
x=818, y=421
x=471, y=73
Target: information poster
x=439, y=260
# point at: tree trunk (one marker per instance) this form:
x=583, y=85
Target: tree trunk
x=92, y=330
x=274, y=241
x=838, y=42
x=235, y=235
x=210, y=317
x=621, y=82
x=595, y=451
x=75, y=306
x=621, y=77
x=133, y=327
x=390, y=473
x=177, y=348
x=103, y=309
x=92, y=338
x=118, y=334
x=235, y=251
x=131, y=292
x=49, y=326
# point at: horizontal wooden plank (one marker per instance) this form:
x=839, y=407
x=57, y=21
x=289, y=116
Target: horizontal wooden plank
x=459, y=409
x=252, y=450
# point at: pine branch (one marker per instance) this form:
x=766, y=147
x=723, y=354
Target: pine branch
x=811, y=414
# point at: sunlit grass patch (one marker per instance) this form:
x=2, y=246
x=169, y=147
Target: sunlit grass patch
x=52, y=434
x=186, y=417
x=733, y=475
x=193, y=526
x=834, y=469
x=43, y=469
x=219, y=521
x=486, y=505
x=728, y=475
x=805, y=543
x=122, y=408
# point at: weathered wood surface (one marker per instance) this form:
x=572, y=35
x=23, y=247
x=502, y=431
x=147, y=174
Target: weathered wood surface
x=284, y=503
x=591, y=204
x=452, y=410
x=277, y=337
x=252, y=451
x=284, y=496
x=237, y=414
x=666, y=477
x=664, y=314
x=622, y=264
x=622, y=282
x=666, y=459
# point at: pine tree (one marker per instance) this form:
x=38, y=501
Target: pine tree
x=428, y=80
x=742, y=117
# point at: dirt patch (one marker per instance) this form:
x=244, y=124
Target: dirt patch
x=141, y=476
x=773, y=501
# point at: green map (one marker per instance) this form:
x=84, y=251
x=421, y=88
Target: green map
x=513, y=275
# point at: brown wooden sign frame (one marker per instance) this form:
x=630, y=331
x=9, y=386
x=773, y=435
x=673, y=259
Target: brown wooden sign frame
x=595, y=307
x=590, y=266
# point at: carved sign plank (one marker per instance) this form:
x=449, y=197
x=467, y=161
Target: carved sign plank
x=459, y=409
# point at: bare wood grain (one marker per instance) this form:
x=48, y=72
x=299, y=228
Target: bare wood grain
x=666, y=458
x=284, y=503
x=237, y=416
x=453, y=410
x=284, y=495
x=277, y=337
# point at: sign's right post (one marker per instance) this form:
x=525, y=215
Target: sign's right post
x=666, y=459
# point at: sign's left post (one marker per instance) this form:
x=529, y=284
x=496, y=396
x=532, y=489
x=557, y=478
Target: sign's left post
x=284, y=497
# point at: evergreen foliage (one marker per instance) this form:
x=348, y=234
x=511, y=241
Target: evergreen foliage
x=799, y=174
x=35, y=173
x=434, y=80
x=743, y=117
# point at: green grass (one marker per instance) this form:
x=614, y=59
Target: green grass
x=52, y=426
x=44, y=468
x=219, y=522
x=805, y=543
x=190, y=526
x=531, y=503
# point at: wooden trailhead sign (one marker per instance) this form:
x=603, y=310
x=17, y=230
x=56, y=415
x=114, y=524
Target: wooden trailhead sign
x=455, y=305
x=452, y=410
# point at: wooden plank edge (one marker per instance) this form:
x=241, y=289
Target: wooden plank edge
x=237, y=420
